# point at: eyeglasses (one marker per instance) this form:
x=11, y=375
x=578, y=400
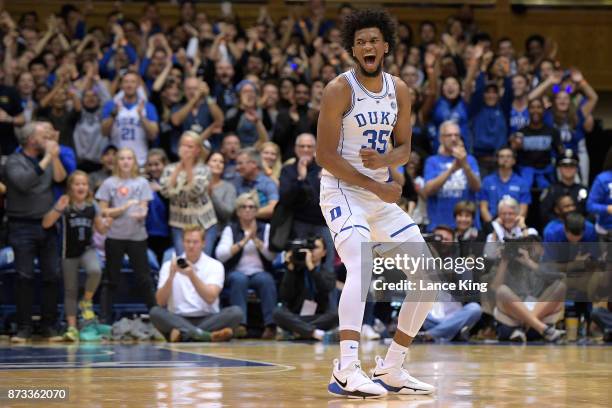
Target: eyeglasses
x=247, y=207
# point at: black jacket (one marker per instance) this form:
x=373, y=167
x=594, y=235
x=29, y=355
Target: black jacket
x=294, y=289
x=302, y=195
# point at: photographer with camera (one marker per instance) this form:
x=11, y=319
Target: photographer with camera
x=529, y=298
x=188, y=295
x=304, y=291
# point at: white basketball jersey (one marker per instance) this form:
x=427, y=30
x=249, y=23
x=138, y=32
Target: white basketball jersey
x=368, y=123
x=128, y=131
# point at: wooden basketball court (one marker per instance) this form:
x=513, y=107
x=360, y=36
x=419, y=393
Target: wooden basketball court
x=282, y=374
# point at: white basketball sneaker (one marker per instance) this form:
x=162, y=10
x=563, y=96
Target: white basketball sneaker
x=352, y=382
x=396, y=380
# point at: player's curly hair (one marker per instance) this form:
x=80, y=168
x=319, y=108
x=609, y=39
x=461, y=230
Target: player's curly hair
x=368, y=18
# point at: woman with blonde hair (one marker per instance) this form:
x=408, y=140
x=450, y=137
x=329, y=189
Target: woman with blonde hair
x=185, y=184
x=124, y=197
x=271, y=160
x=79, y=216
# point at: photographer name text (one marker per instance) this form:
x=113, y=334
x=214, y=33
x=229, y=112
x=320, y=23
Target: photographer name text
x=428, y=286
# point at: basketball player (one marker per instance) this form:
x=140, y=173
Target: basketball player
x=359, y=110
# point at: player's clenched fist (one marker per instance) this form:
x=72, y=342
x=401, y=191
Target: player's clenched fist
x=371, y=159
x=389, y=192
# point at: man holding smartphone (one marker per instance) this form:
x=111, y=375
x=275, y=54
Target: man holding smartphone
x=188, y=296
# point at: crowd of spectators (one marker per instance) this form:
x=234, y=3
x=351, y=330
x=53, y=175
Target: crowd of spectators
x=178, y=143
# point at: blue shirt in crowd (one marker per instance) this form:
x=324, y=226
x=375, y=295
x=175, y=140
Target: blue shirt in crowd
x=444, y=110
x=157, y=217
x=600, y=198
x=266, y=188
x=555, y=232
x=518, y=119
x=489, y=123
x=440, y=206
x=493, y=189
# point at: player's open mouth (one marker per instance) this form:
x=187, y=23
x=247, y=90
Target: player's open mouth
x=369, y=60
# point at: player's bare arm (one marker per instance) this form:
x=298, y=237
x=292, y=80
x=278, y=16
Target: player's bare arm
x=402, y=133
x=335, y=102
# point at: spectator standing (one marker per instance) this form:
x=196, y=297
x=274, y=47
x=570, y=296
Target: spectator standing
x=89, y=141
x=200, y=113
x=125, y=197
x=247, y=120
x=293, y=121
x=271, y=160
x=29, y=196
x=158, y=230
x=600, y=198
x=108, y=162
x=299, y=190
x=11, y=116
x=222, y=193
x=185, y=184
x=230, y=147
x=79, y=216
x=130, y=121
x=536, y=146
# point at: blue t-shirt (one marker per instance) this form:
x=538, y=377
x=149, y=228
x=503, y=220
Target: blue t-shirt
x=440, y=206
x=555, y=232
x=157, y=217
x=444, y=110
x=518, y=119
x=493, y=189
x=554, y=236
x=600, y=198
x=266, y=188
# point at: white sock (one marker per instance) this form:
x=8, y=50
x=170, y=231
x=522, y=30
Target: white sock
x=318, y=334
x=395, y=354
x=349, y=352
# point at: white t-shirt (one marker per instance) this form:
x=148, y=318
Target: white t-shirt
x=184, y=299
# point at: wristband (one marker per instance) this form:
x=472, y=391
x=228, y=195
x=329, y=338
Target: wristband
x=58, y=211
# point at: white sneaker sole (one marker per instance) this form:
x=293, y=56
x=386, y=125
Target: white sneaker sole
x=335, y=390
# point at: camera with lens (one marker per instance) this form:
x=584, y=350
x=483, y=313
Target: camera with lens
x=512, y=246
x=297, y=255
x=182, y=263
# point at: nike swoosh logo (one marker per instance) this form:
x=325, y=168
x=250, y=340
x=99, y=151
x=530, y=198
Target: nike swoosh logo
x=377, y=375
x=353, y=348
x=360, y=99
x=342, y=384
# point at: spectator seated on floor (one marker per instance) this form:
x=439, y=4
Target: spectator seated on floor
x=188, y=295
x=602, y=316
x=529, y=296
x=449, y=319
x=304, y=291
